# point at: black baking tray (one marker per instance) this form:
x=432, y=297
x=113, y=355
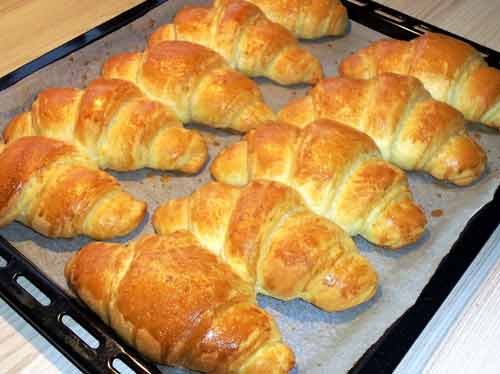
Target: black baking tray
x=382, y=357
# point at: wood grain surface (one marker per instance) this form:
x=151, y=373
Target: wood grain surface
x=30, y=28
x=477, y=20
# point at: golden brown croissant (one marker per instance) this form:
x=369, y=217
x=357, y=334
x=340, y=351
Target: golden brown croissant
x=195, y=82
x=179, y=305
x=308, y=19
x=339, y=173
x=411, y=129
x=115, y=124
x=452, y=71
x=53, y=188
x=247, y=39
x=271, y=239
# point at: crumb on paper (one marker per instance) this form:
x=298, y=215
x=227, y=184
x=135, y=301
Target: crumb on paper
x=165, y=179
x=150, y=175
x=477, y=135
x=437, y=213
x=439, y=195
x=210, y=139
x=152, y=24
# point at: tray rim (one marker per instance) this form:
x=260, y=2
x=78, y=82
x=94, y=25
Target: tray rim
x=398, y=337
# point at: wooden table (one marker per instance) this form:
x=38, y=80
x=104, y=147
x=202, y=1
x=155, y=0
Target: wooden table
x=30, y=28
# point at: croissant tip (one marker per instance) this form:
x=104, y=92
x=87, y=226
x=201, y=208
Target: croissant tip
x=401, y=224
x=461, y=162
x=273, y=358
x=125, y=216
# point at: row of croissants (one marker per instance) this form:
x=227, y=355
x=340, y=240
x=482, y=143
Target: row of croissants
x=286, y=199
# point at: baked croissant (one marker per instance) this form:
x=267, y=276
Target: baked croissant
x=271, y=239
x=452, y=71
x=308, y=19
x=115, y=124
x=195, y=82
x=411, y=129
x=247, y=39
x=338, y=171
x=51, y=187
x=178, y=305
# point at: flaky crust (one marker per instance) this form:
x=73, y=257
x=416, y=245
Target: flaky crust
x=247, y=39
x=452, y=71
x=265, y=233
x=338, y=171
x=51, y=187
x=195, y=82
x=308, y=19
x=178, y=305
x=115, y=124
x=411, y=129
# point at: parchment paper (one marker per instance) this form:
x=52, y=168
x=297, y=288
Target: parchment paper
x=323, y=342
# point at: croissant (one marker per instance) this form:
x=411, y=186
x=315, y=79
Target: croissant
x=115, y=124
x=267, y=235
x=178, y=305
x=453, y=72
x=53, y=188
x=338, y=171
x=308, y=19
x=195, y=82
x=412, y=130
x=247, y=39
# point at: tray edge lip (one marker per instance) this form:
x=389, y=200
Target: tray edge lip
x=141, y=9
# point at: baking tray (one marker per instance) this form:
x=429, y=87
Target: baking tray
x=382, y=357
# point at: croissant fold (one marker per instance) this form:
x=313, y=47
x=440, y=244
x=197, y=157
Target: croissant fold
x=308, y=19
x=196, y=83
x=247, y=39
x=268, y=236
x=411, y=129
x=453, y=72
x=50, y=186
x=115, y=124
x=179, y=305
x=338, y=171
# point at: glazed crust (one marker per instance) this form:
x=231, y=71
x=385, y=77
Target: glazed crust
x=451, y=70
x=411, y=129
x=195, y=82
x=115, y=124
x=308, y=19
x=178, y=304
x=267, y=235
x=51, y=187
x=338, y=171
x=247, y=39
